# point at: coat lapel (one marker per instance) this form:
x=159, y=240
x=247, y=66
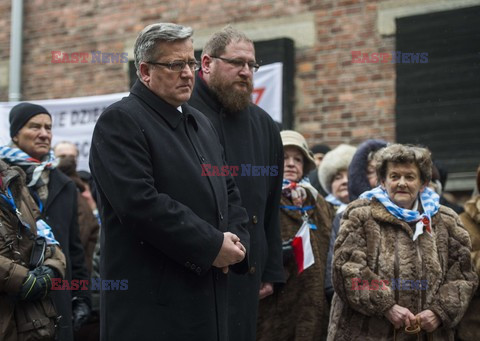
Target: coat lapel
x=55, y=186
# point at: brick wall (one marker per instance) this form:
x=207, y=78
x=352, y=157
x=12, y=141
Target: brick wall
x=336, y=101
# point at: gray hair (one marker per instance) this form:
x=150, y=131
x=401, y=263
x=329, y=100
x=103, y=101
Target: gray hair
x=403, y=154
x=145, y=48
x=215, y=46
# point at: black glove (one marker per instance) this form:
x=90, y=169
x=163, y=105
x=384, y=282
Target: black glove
x=80, y=312
x=38, y=283
x=287, y=251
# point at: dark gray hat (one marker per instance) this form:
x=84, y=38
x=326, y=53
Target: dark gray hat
x=21, y=113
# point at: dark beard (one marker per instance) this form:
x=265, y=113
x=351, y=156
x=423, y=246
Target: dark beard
x=231, y=99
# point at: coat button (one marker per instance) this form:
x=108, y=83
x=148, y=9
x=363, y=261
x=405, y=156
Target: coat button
x=254, y=219
x=251, y=270
x=187, y=264
x=221, y=215
x=198, y=270
x=193, y=267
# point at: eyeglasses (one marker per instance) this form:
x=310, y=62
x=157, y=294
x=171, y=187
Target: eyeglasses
x=179, y=65
x=240, y=63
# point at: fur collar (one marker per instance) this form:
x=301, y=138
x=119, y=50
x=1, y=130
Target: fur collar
x=381, y=214
x=13, y=177
x=472, y=208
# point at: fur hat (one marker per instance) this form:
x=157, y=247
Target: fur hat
x=357, y=171
x=21, y=113
x=292, y=138
x=336, y=160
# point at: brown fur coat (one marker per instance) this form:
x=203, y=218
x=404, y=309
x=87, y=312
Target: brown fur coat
x=298, y=310
x=469, y=327
x=374, y=245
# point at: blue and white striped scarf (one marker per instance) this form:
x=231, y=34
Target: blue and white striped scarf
x=335, y=202
x=304, y=182
x=430, y=202
x=44, y=230
x=16, y=156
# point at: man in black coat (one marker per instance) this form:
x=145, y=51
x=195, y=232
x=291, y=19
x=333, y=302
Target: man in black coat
x=56, y=196
x=168, y=228
x=251, y=141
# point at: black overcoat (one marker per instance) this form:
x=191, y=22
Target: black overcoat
x=60, y=213
x=250, y=137
x=163, y=222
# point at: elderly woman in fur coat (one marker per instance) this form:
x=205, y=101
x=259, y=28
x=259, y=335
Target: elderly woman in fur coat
x=401, y=261
x=298, y=310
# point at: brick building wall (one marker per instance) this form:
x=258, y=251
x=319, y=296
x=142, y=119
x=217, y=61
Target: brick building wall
x=335, y=101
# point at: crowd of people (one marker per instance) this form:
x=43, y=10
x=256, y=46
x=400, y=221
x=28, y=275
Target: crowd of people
x=349, y=243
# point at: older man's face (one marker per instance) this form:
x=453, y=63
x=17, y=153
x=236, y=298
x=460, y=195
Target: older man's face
x=35, y=137
x=172, y=86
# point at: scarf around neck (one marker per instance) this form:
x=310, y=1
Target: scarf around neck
x=18, y=157
x=335, y=202
x=303, y=183
x=428, y=198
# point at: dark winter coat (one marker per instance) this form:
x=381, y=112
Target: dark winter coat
x=250, y=137
x=373, y=245
x=60, y=212
x=298, y=310
x=13, y=268
x=162, y=221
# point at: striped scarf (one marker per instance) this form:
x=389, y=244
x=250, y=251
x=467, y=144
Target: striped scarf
x=304, y=182
x=16, y=156
x=430, y=202
x=44, y=230
x=335, y=202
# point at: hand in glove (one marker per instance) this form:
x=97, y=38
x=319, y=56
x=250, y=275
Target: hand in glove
x=38, y=283
x=80, y=312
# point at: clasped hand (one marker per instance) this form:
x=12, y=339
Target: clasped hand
x=400, y=316
x=231, y=252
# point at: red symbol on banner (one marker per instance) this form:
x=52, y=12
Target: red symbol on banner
x=257, y=95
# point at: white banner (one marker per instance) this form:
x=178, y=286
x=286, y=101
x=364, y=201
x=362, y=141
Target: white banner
x=267, y=92
x=74, y=118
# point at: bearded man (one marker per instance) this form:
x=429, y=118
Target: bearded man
x=252, y=144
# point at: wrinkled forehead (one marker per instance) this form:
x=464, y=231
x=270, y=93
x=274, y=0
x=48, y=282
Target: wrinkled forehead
x=403, y=167
x=40, y=119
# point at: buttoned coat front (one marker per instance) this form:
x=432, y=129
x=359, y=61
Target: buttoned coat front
x=163, y=221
